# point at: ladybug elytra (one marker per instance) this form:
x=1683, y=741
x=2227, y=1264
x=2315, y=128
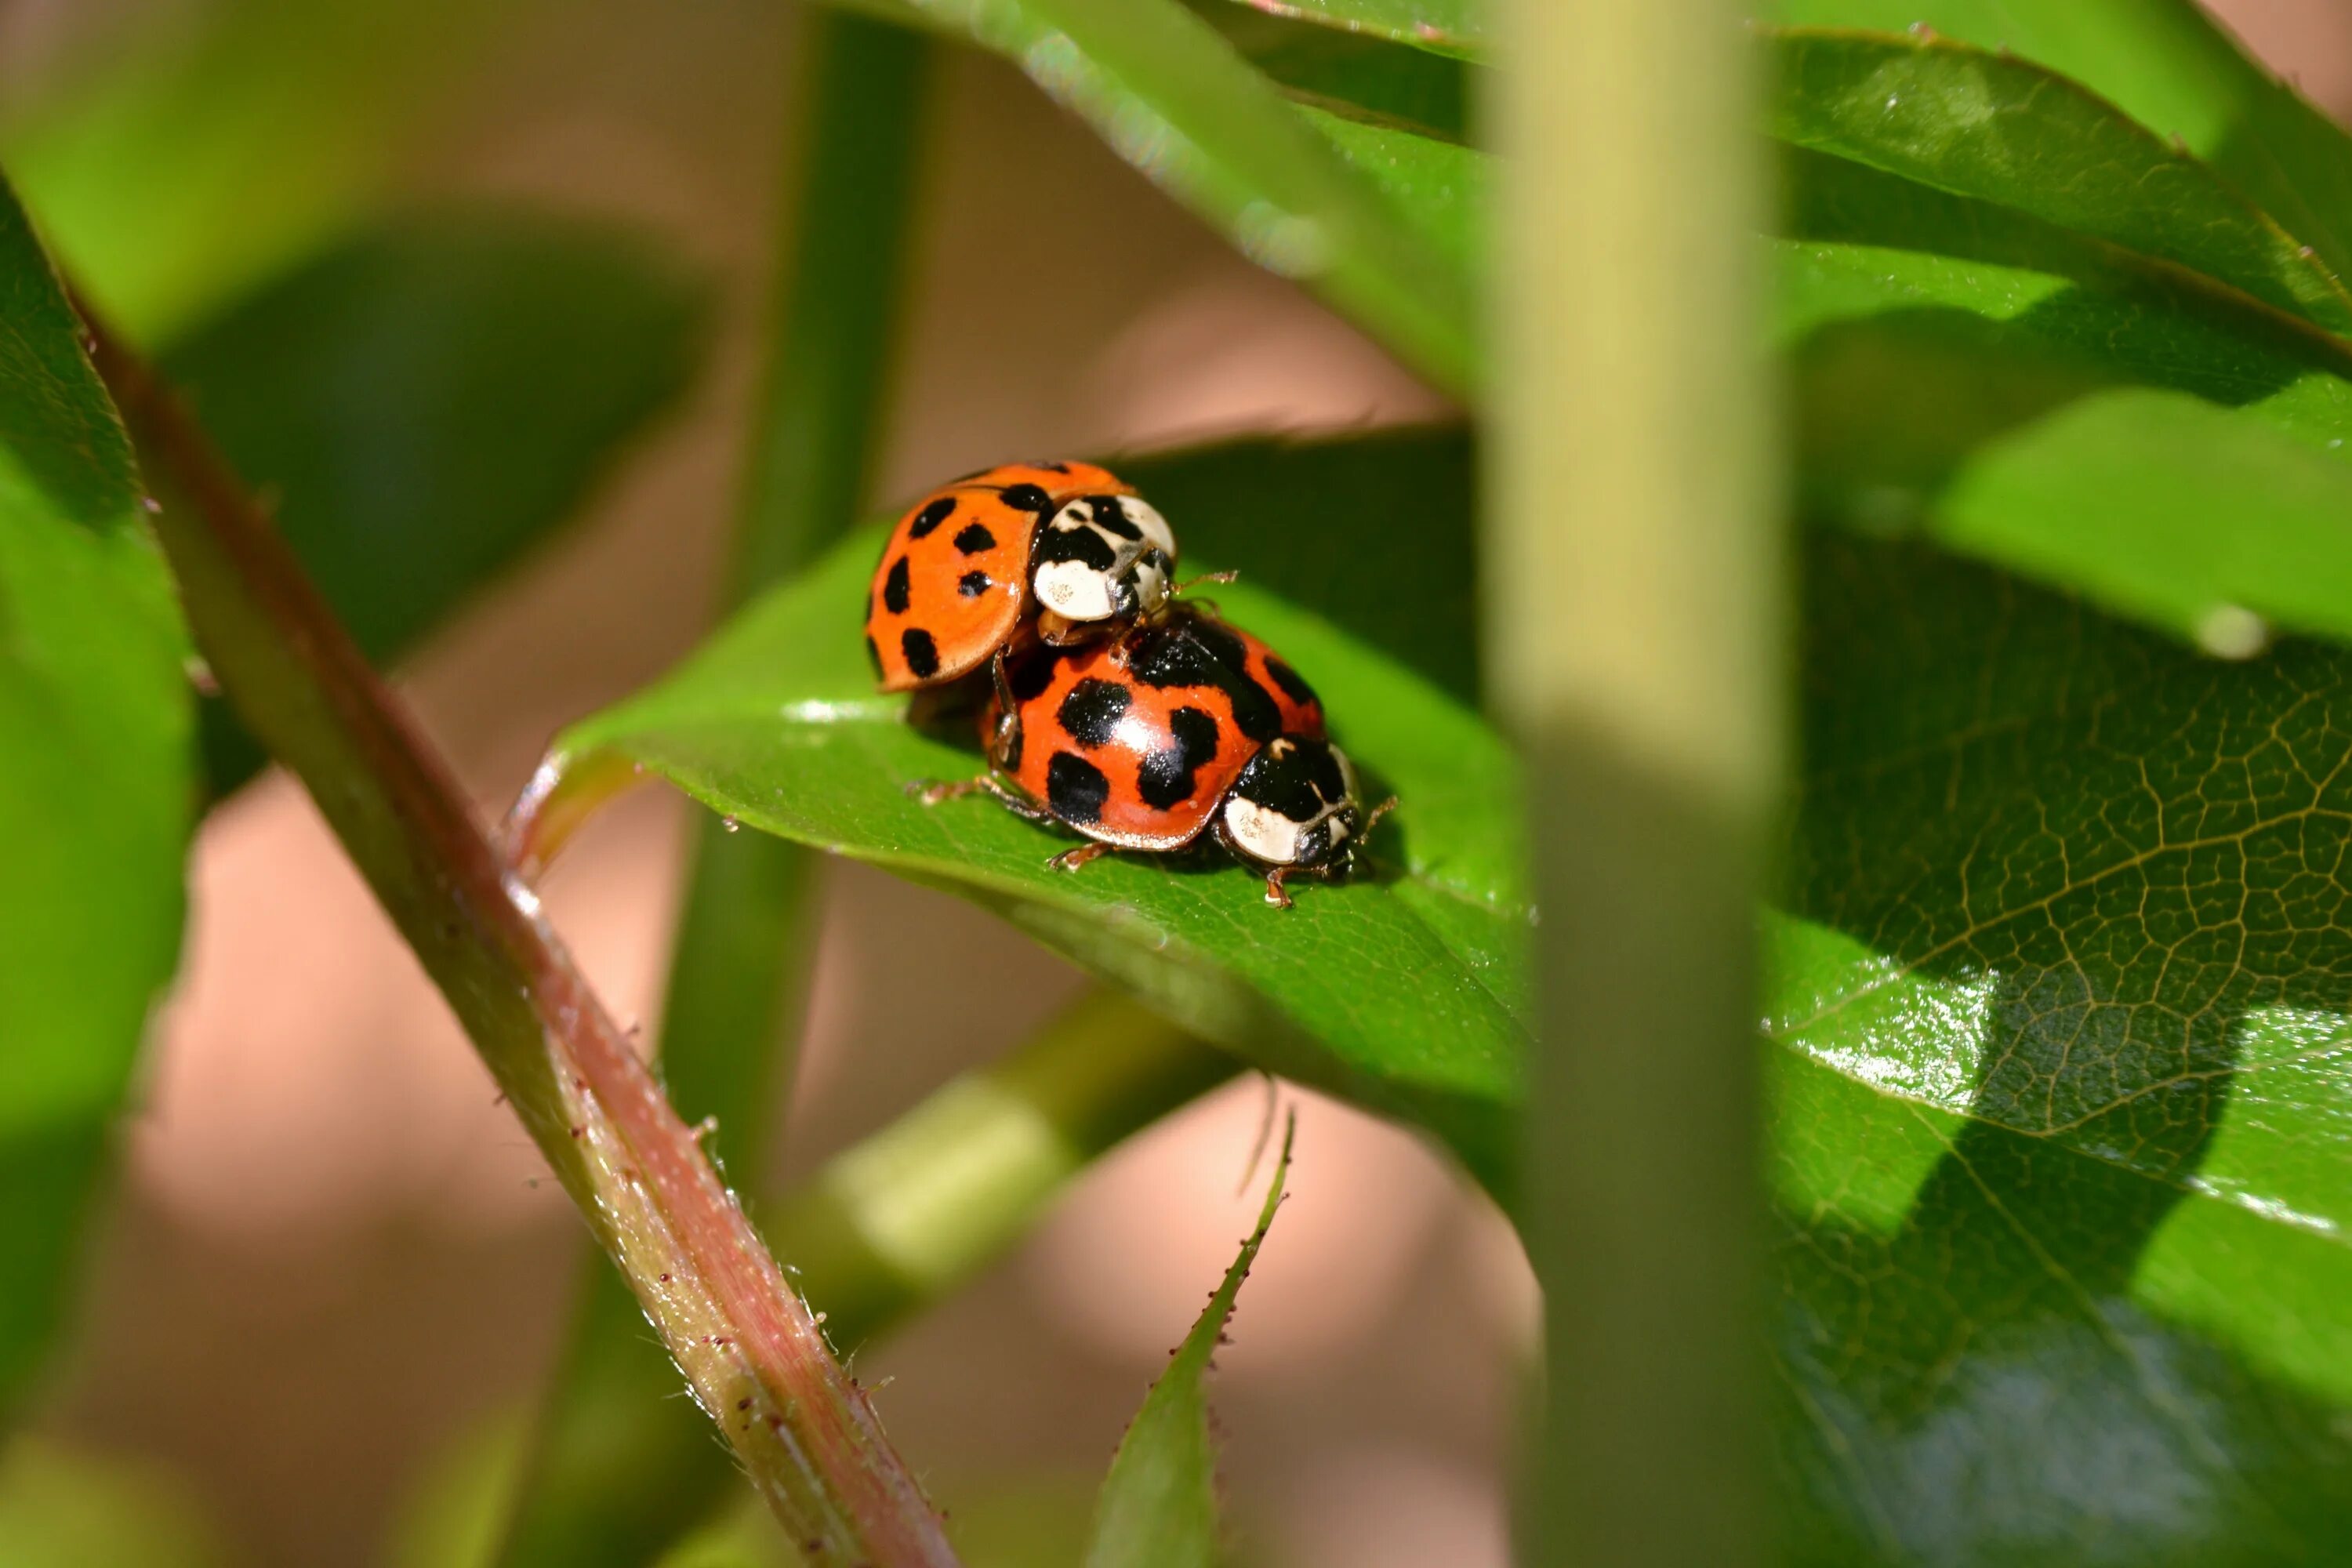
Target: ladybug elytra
x=1177, y=728
x=968, y=563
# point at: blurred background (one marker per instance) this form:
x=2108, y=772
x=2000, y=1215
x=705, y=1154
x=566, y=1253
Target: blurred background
x=331, y=1283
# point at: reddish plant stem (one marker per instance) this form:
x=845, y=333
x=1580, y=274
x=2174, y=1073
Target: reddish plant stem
x=749, y=1347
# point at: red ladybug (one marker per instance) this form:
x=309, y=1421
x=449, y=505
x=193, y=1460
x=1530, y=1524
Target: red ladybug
x=1178, y=727
x=968, y=563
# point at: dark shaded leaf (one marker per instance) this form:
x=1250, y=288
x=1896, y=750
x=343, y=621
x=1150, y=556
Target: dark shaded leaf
x=95, y=789
x=430, y=400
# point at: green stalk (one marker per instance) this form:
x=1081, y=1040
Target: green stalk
x=912, y=1212
x=1635, y=564
x=620, y=1468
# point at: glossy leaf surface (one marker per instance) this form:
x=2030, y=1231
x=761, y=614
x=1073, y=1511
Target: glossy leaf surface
x=1158, y=1504
x=2029, y=395
x=2170, y=66
x=2062, y=992
x=1404, y=989
x=1992, y=126
x=431, y=399
x=94, y=788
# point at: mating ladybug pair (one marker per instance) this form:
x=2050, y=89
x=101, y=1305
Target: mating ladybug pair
x=1113, y=710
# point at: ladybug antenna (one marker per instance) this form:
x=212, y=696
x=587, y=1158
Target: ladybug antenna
x=1372, y=818
x=1206, y=578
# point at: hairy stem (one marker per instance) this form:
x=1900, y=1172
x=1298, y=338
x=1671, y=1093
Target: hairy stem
x=755, y=1360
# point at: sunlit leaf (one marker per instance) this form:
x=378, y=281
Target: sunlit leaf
x=1175, y=99
x=95, y=789
x=2061, y=992
x=1990, y=125
x=1404, y=989
x=2169, y=65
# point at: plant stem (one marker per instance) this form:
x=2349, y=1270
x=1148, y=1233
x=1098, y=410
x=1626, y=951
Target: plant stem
x=886, y=1227
x=749, y=1350
x=1636, y=574
x=921, y=1205
x=619, y=1470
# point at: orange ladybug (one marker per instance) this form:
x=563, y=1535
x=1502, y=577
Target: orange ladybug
x=970, y=562
x=1176, y=728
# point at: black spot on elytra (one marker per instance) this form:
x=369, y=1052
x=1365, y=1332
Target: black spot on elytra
x=1053, y=468
x=894, y=588
x=1031, y=676
x=1166, y=777
x=973, y=584
x=1026, y=497
x=1076, y=788
x=975, y=538
x=1078, y=542
x=1201, y=653
x=922, y=653
x=930, y=517
x=1112, y=517
x=873, y=657
x=1091, y=711
x=1297, y=690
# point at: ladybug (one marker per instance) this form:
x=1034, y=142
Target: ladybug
x=1180, y=726
x=969, y=562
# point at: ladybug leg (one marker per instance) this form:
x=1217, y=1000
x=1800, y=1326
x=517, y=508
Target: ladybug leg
x=1004, y=746
x=939, y=790
x=1276, y=893
x=1071, y=859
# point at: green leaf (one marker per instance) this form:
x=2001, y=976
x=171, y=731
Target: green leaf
x=2004, y=130
x=1360, y=75
x=431, y=399
x=143, y=169
x=1404, y=990
x=95, y=789
x=1158, y=1504
x=2170, y=66
x=1446, y=26
x=1174, y=98
x=2029, y=396
x=2059, y=998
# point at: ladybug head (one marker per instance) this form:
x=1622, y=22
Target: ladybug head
x=1101, y=558
x=1295, y=804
